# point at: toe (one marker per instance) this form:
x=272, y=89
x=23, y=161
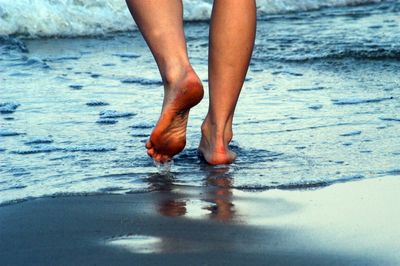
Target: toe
x=148, y=144
x=151, y=152
x=157, y=157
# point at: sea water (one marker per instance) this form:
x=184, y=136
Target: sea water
x=80, y=93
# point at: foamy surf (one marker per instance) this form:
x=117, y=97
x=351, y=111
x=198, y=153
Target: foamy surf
x=70, y=18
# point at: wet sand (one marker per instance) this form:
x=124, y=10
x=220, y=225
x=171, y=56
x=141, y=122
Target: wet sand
x=352, y=223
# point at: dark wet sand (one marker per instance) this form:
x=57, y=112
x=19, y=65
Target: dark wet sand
x=345, y=224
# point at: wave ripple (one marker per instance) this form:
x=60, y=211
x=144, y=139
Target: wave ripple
x=97, y=17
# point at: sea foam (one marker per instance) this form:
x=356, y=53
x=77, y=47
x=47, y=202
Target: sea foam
x=69, y=18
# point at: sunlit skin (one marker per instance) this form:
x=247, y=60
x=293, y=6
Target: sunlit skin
x=232, y=34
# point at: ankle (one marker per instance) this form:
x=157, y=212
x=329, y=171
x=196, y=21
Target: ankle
x=175, y=71
x=217, y=136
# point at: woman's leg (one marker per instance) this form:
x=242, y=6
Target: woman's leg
x=232, y=35
x=161, y=23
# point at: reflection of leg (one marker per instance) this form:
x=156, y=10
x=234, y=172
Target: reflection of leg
x=219, y=185
x=170, y=202
x=232, y=34
x=224, y=208
x=161, y=24
x=172, y=208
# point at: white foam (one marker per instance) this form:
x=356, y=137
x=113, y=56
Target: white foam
x=96, y=17
x=63, y=17
x=284, y=6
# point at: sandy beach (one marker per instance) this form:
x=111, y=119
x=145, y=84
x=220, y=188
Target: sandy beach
x=316, y=130
x=345, y=224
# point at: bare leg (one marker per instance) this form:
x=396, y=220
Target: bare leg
x=161, y=23
x=232, y=34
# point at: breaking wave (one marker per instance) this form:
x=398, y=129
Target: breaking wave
x=68, y=18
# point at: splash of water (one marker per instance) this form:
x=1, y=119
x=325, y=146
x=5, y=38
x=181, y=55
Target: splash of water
x=164, y=167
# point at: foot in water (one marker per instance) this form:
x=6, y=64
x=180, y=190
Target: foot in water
x=214, y=143
x=169, y=135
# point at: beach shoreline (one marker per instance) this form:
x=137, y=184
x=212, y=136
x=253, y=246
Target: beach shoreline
x=352, y=223
x=316, y=180
x=75, y=114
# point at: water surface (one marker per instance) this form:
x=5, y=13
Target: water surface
x=320, y=106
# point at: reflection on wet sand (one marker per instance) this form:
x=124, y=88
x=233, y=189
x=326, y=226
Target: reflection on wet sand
x=172, y=206
x=219, y=193
x=215, y=201
x=200, y=206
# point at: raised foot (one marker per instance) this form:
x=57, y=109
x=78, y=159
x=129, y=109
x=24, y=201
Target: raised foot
x=169, y=135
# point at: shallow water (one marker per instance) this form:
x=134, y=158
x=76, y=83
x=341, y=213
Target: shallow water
x=320, y=106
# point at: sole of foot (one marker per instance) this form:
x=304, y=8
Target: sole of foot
x=169, y=135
